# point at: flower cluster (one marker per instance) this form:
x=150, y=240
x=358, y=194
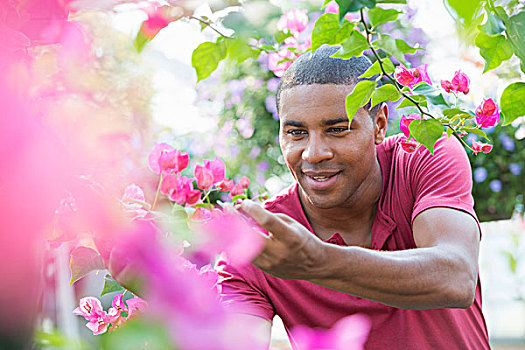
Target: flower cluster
x=411, y=77
x=460, y=83
x=295, y=23
x=99, y=321
x=409, y=145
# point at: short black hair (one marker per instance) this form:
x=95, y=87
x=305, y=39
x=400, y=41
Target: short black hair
x=319, y=68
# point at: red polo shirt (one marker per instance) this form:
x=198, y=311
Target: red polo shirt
x=412, y=182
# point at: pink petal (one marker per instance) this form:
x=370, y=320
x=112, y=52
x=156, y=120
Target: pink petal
x=154, y=155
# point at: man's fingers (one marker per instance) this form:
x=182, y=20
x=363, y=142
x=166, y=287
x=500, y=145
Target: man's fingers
x=266, y=219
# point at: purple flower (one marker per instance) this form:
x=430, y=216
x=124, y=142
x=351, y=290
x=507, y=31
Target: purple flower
x=263, y=166
x=507, y=142
x=272, y=84
x=515, y=168
x=254, y=152
x=495, y=185
x=480, y=174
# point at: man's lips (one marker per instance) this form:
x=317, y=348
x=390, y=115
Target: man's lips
x=321, y=180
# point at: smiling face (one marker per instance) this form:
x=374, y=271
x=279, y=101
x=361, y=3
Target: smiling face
x=335, y=166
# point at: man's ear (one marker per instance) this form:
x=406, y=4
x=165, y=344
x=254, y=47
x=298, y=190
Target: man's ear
x=380, y=124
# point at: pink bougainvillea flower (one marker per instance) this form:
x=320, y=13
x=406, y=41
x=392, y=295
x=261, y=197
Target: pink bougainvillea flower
x=179, y=189
x=405, y=122
x=89, y=308
x=478, y=146
x=460, y=83
x=204, y=177
x=236, y=190
x=157, y=20
x=225, y=185
x=173, y=161
x=245, y=182
x=169, y=184
x=136, y=305
x=200, y=214
x=409, y=146
x=487, y=114
x=154, y=156
x=294, y=21
x=217, y=168
x=278, y=62
x=333, y=7
x=349, y=333
x=132, y=200
x=410, y=77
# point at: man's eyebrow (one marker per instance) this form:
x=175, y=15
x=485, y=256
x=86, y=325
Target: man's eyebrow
x=294, y=123
x=330, y=122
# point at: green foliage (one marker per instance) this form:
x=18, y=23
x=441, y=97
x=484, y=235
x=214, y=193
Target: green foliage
x=426, y=132
x=493, y=25
x=494, y=49
x=110, y=285
x=376, y=69
x=359, y=97
x=206, y=57
x=55, y=340
x=466, y=10
x=516, y=35
x=353, y=46
x=384, y=93
x=422, y=100
x=378, y=16
x=450, y=113
x=512, y=102
x=346, y=6
x=395, y=47
x=239, y=50
x=83, y=261
x=474, y=130
x=137, y=334
x=328, y=30
x=432, y=94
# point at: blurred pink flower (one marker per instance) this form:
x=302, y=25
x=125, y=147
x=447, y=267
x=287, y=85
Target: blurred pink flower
x=217, y=168
x=460, y=83
x=225, y=185
x=278, y=62
x=204, y=177
x=91, y=309
x=410, y=77
x=236, y=190
x=245, y=182
x=295, y=21
x=154, y=156
x=173, y=161
x=405, y=122
x=349, y=333
x=333, y=7
x=132, y=200
x=179, y=189
x=487, y=114
x=478, y=146
x=157, y=20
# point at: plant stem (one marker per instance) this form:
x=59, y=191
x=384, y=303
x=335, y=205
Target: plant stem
x=158, y=192
x=209, y=24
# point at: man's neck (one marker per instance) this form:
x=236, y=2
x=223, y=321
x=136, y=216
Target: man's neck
x=353, y=221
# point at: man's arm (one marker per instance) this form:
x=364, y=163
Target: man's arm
x=440, y=273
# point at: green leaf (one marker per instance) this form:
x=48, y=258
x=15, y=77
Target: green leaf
x=346, y=6
x=327, y=30
x=493, y=25
x=206, y=57
x=110, y=285
x=512, y=261
x=204, y=205
x=140, y=41
x=379, y=16
x=391, y=1
x=395, y=47
x=280, y=36
x=359, y=97
x=375, y=69
x=452, y=112
x=385, y=93
x=512, y=102
x=239, y=196
x=501, y=13
x=474, y=130
x=516, y=32
x=465, y=9
x=432, y=94
x=422, y=100
x=137, y=333
x=353, y=46
x=426, y=132
x=450, y=131
x=84, y=260
x=239, y=50
x=494, y=49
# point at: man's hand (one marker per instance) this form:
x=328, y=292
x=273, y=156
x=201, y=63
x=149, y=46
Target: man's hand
x=290, y=250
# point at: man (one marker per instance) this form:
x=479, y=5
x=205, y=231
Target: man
x=367, y=228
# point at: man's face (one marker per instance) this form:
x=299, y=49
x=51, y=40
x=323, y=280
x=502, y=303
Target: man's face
x=331, y=162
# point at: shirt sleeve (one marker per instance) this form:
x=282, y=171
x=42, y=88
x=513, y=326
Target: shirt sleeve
x=443, y=179
x=239, y=292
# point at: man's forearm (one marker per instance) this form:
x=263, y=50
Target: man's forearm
x=422, y=278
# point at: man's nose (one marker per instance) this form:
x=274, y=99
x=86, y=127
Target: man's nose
x=317, y=149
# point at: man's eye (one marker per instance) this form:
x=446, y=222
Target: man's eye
x=337, y=130
x=296, y=132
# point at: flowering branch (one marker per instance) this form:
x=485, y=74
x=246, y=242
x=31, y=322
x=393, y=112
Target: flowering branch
x=209, y=24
